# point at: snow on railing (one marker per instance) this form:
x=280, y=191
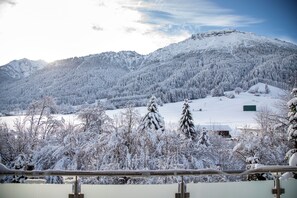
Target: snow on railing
x=147, y=173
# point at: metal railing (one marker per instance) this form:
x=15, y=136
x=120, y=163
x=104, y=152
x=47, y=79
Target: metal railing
x=147, y=173
x=275, y=170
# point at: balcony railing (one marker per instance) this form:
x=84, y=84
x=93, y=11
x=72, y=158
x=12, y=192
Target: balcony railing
x=263, y=189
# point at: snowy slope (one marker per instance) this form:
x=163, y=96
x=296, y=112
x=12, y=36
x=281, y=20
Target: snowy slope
x=220, y=110
x=274, y=92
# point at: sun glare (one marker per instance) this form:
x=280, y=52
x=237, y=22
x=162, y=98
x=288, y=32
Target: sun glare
x=52, y=30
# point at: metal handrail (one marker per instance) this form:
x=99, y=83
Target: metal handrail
x=147, y=173
x=277, y=190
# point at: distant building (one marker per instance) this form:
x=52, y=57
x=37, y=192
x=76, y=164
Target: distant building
x=223, y=130
x=249, y=108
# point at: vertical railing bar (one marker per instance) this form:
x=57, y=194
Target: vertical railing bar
x=276, y=186
x=76, y=187
x=277, y=190
x=182, y=192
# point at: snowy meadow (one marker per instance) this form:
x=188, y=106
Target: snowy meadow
x=206, y=111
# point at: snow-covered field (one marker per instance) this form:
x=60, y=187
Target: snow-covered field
x=214, y=110
x=221, y=110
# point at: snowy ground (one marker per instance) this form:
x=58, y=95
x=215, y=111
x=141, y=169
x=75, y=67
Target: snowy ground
x=214, y=110
x=221, y=110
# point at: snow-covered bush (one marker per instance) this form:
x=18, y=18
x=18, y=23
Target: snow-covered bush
x=217, y=92
x=94, y=118
x=253, y=90
x=266, y=144
x=238, y=90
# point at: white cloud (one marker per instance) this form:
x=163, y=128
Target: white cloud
x=198, y=12
x=10, y=2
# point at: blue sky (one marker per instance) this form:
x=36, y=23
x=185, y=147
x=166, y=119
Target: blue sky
x=279, y=16
x=57, y=29
x=273, y=18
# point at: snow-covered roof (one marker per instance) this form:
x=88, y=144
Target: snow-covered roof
x=215, y=127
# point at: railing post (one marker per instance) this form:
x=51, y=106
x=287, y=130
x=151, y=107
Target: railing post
x=182, y=190
x=76, y=190
x=277, y=190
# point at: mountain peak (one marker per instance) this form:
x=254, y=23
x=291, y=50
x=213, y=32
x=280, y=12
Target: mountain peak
x=203, y=35
x=18, y=69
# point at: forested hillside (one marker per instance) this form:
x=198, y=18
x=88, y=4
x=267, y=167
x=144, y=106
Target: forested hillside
x=206, y=63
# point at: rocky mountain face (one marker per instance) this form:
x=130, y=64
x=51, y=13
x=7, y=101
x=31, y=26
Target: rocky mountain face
x=189, y=69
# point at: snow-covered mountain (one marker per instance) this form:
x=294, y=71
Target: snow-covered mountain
x=222, y=60
x=204, y=63
x=226, y=40
x=18, y=69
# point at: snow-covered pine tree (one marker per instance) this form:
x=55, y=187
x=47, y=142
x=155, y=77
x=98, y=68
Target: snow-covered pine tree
x=186, y=123
x=292, y=130
x=291, y=155
x=267, y=90
x=204, y=139
x=153, y=119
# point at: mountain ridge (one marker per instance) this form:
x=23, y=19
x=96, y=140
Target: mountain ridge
x=197, y=36
x=189, y=69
